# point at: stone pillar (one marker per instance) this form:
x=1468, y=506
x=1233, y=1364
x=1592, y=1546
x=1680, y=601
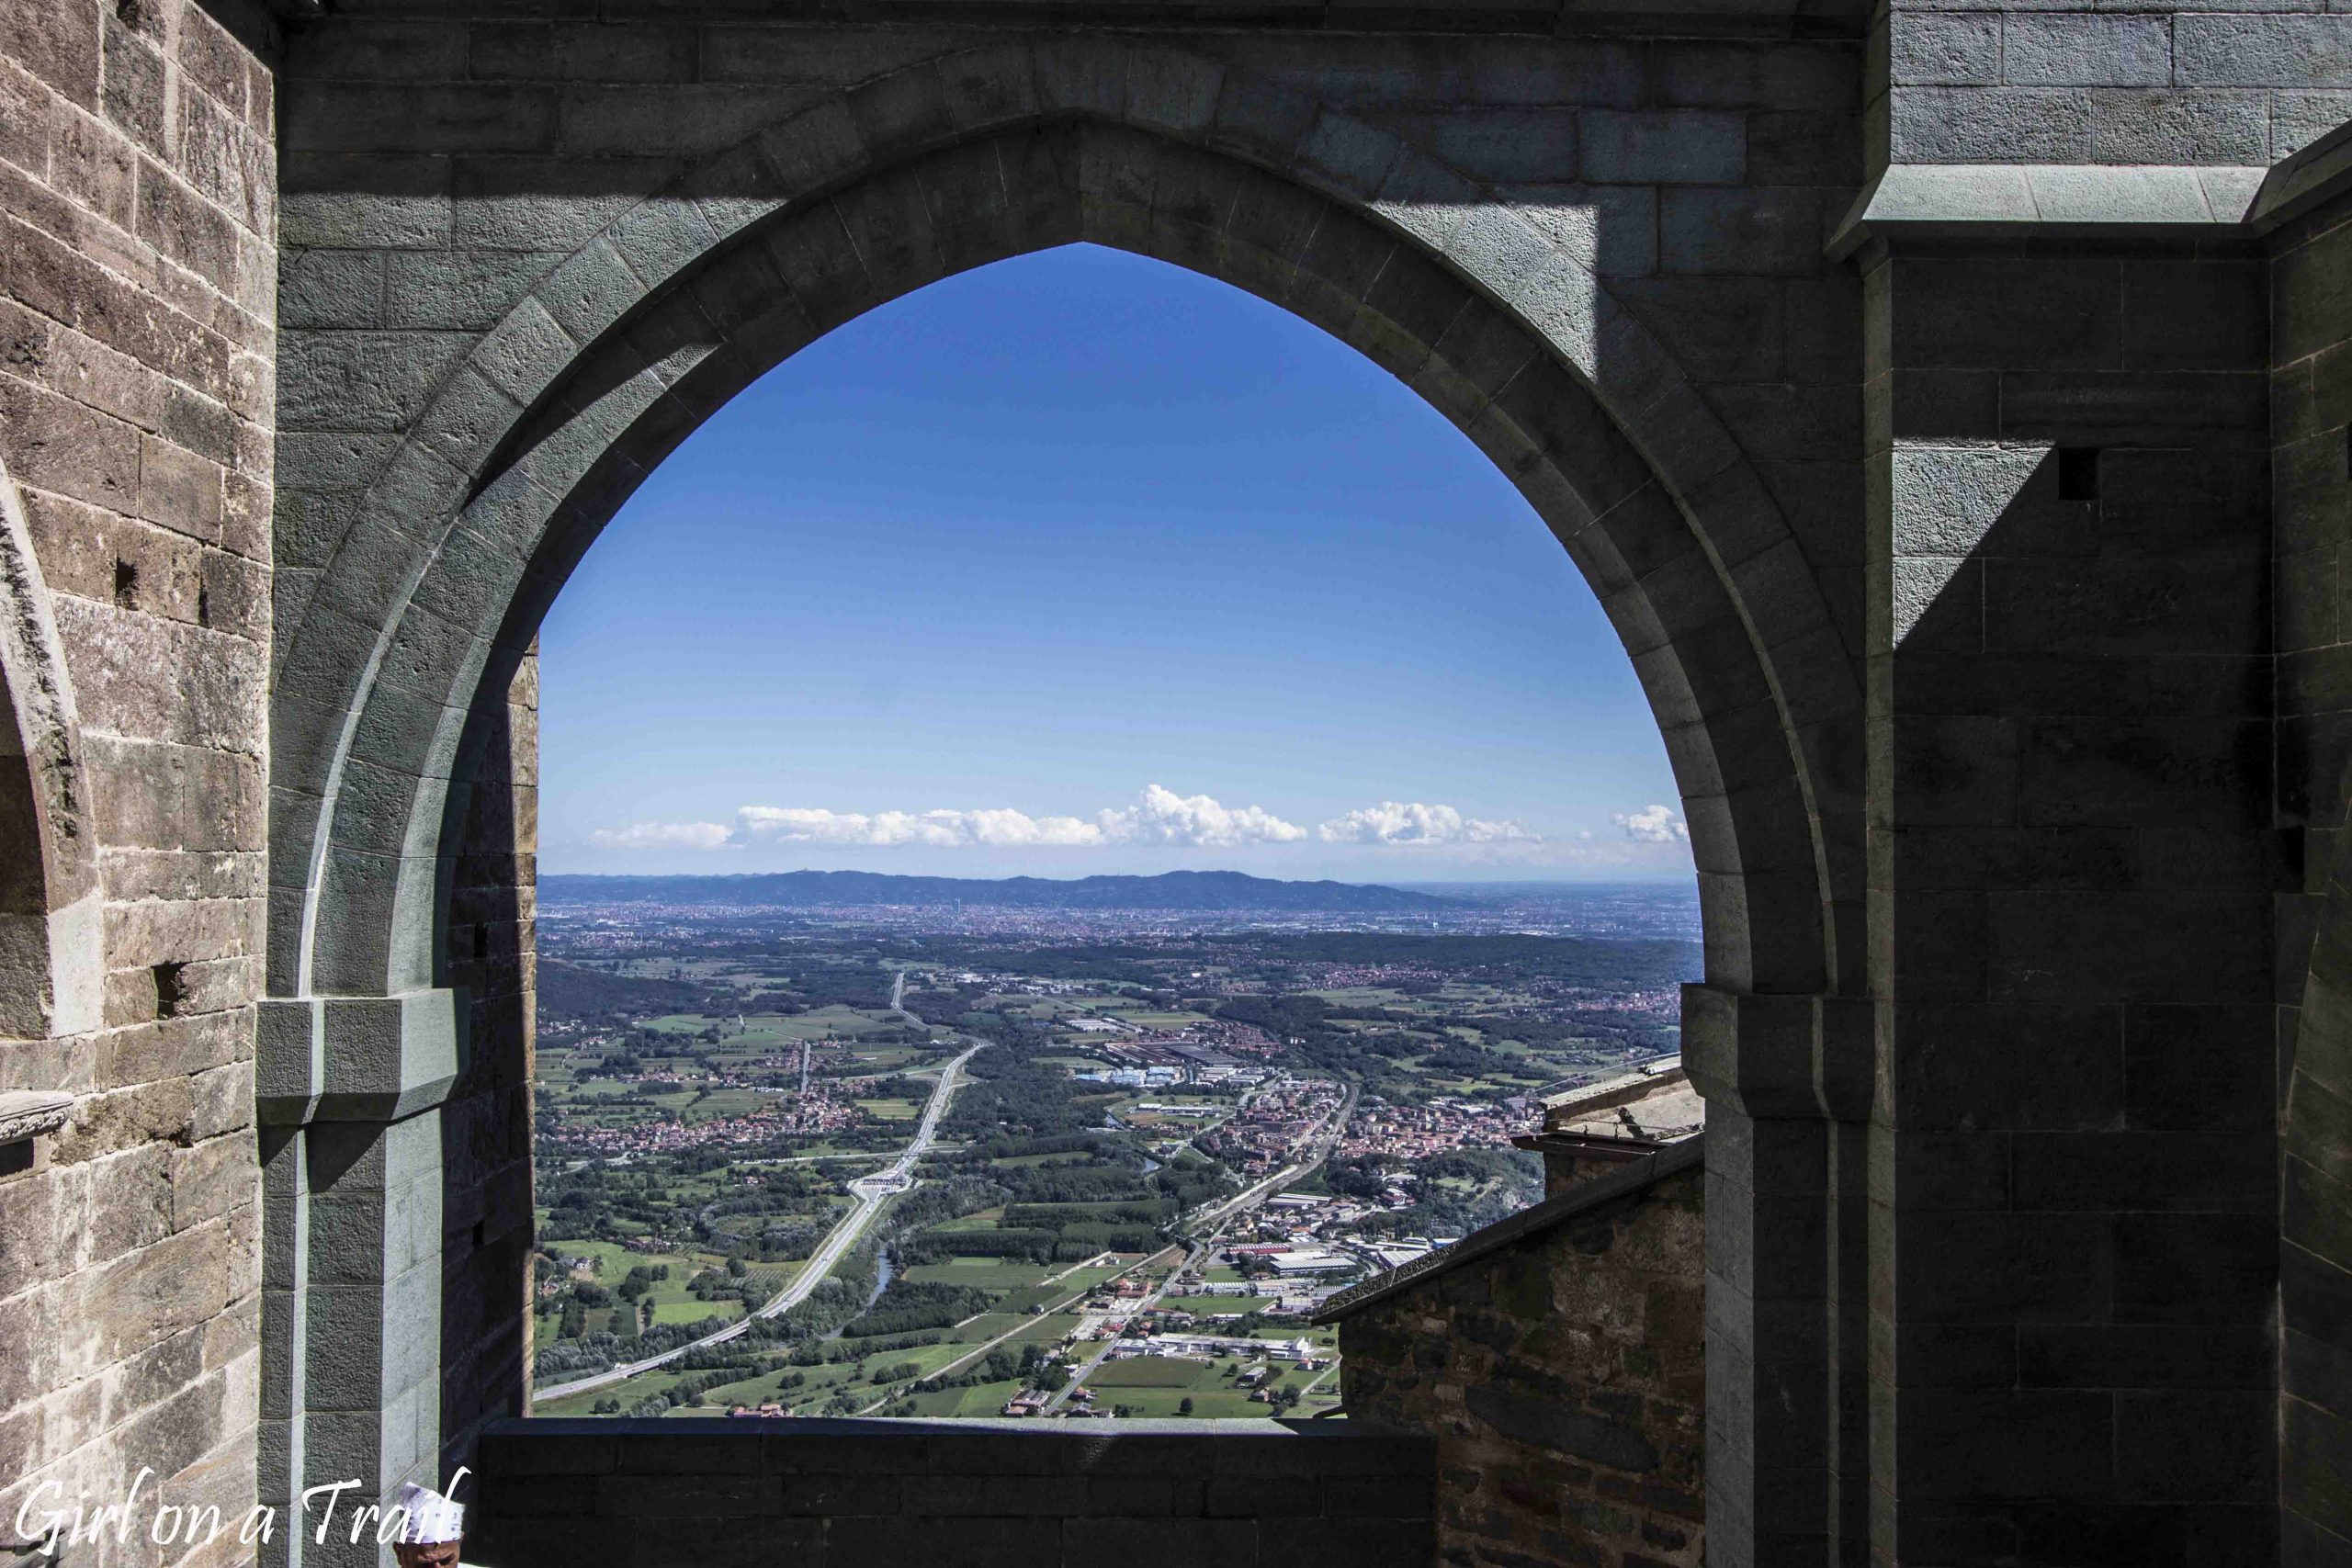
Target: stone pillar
x=396, y=1181
x=1786, y=1080
x=2311, y=526
x=2072, y=1172
x=350, y=1090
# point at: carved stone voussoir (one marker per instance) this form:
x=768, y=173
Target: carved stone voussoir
x=27, y=1113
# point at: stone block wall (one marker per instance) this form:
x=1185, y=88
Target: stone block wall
x=138, y=272
x=1958, y=82
x=1563, y=1380
x=2071, y=1175
x=2311, y=432
x=486, y=1214
x=848, y=1493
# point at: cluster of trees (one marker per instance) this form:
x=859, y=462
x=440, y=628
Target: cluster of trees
x=1132, y=1212
x=1118, y=963
x=641, y=1280
x=575, y=992
x=1000, y=1364
x=1280, y=1016
x=1576, y=961
x=791, y=1241
x=600, y=1203
x=823, y=1353
x=1487, y=1185
x=579, y=1355
x=909, y=1304
x=945, y=1197
x=1354, y=1176
x=1095, y=1184
x=1462, y=1059
x=858, y=983
x=1007, y=1090
x=1056, y=1212
x=1035, y=1246
x=613, y=1064
x=685, y=1393
x=732, y=1282
x=1005, y=1145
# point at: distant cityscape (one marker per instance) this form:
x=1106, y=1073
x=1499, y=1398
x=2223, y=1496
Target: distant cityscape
x=955, y=1159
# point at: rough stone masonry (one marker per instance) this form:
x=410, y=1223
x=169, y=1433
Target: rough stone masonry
x=1557, y=1362
x=1946, y=401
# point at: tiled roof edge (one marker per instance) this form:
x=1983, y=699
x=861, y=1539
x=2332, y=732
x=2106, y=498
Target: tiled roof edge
x=1581, y=1199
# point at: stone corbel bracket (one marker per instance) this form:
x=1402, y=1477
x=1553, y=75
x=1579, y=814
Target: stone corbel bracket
x=27, y=1113
x=358, y=1058
x=1779, y=1056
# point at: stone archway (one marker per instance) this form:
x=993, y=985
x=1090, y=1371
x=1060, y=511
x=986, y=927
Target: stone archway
x=1578, y=402
x=52, y=956
x=398, y=636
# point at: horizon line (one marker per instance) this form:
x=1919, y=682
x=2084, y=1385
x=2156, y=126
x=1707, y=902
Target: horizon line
x=1142, y=876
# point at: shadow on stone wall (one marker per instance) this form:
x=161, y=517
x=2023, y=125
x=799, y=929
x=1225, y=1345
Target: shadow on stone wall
x=700, y=1493
x=488, y=950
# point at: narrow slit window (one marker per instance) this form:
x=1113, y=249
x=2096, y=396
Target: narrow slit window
x=2078, y=473
x=171, y=989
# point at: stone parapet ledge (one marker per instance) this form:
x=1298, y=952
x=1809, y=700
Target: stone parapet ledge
x=873, y=1494
x=1993, y=200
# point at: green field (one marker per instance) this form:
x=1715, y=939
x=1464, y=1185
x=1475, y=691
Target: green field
x=673, y=1302
x=988, y=1273
x=1208, y=1403
x=1150, y=1371
x=980, y=1399
x=1215, y=1305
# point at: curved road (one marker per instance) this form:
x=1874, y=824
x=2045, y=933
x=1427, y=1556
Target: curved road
x=871, y=1191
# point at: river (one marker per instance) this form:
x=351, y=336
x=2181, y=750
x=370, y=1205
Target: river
x=881, y=1283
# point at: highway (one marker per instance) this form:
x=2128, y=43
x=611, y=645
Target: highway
x=872, y=1194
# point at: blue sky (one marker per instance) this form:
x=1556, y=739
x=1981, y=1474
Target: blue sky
x=1084, y=563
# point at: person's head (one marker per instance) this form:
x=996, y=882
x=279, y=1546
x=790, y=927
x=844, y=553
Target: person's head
x=431, y=1528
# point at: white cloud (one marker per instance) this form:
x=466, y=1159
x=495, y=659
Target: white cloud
x=664, y=836
x=1653, y=825
x=1412, y=822
x=938, y=829
x=1159, y=817
x=1163, y=816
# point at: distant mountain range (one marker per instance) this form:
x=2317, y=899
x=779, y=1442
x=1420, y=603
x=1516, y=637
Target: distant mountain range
x=1221, y=891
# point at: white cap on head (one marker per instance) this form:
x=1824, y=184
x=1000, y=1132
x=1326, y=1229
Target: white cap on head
x=430, y=1517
